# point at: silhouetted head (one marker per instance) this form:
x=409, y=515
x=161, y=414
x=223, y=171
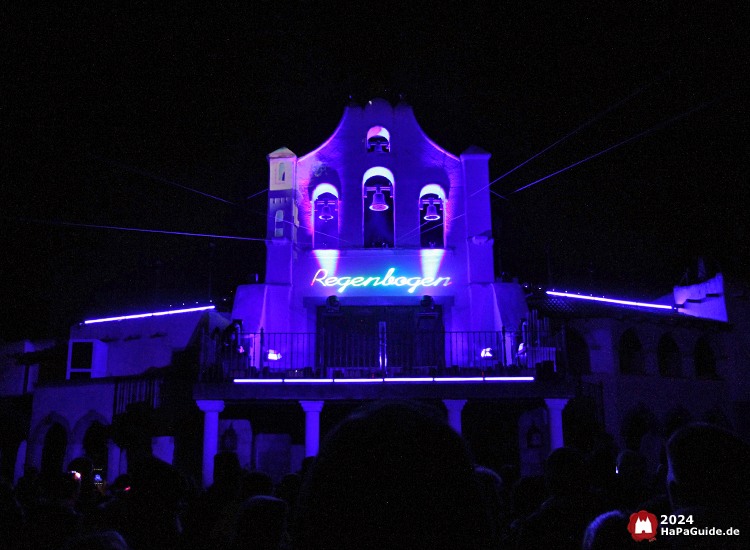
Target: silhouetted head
x=601, y=465
x=256, y=483
x=526, y=496
x=608, y=532
x=227, y=469
x=392, y=476
x=157, y=484
x=565, y=473
x=632, y=465
x=120, y=487
x=491, y=487
x=707, y=467
x=65, y=486
x=307, y=463
x=288, y=489
x=261, y=522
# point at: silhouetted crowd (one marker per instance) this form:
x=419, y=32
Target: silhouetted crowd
x=392, y=476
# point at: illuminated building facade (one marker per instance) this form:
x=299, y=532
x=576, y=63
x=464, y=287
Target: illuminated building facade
x=378, y=215
x=380, y=284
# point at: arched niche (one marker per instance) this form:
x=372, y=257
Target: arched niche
x=325, y=216
x=578, y=355
x=378, y=140
x=704, y=359
x=669, y=357
x=432, y=199
x=632, y=358
x=378, y=204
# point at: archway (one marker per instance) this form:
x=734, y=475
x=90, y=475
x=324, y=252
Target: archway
x=632, y=359
x=669, y=358
x=579, y=359
x=53, y=451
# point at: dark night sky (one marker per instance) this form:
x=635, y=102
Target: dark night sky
x=104, y=101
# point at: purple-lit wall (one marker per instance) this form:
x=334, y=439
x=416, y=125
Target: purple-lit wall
x=12, y=374
x=134, y=345
x=704, y=300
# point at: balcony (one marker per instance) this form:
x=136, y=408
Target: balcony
x=398, y=356
x=145, y=389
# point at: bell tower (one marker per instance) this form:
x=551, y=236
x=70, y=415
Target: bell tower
x=283, y=216
x=282, y=208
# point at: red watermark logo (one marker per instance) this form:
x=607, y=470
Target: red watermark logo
x=642, y=526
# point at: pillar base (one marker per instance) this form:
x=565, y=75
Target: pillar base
x=312, y=426
x=454, y=406
x=555, y=408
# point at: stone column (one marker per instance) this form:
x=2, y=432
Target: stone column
x=312, y=426
x=454, y=406
x=555, y=408
x=113, y=462
x=211, y=410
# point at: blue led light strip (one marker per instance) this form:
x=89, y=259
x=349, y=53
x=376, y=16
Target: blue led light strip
x=380, y=380
x=608, y=300
x=142, y=315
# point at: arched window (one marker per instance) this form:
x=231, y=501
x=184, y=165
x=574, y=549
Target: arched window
x=95, y=446
x=378, y=191
x=669, y=358
x=632, y=360
x=432, y=216
x=325, y=199
x=704, y=359
x=378, y=140
x=53, y=452
x=579, y=359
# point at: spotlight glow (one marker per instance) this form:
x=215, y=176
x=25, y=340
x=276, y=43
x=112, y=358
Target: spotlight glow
x=431, y=258
x=328, y=260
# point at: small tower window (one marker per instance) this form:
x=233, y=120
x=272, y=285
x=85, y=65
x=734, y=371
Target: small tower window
x=378, y=140
x=279, y=224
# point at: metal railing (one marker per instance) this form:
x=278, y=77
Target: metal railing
x=137, y=389
x=329, y=354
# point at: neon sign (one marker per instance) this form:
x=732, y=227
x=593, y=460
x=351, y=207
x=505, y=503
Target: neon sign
x=387, y=280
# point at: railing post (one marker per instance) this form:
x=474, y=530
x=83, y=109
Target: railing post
x=261, y=359
x=505, y=351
